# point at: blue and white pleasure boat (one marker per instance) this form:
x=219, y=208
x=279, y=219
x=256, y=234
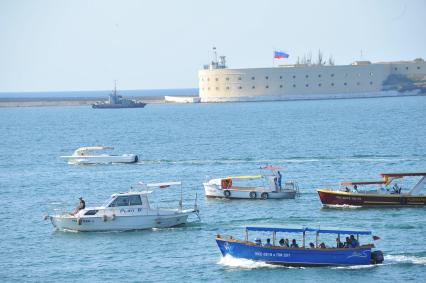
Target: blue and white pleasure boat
x=317, y=254
x=124, y=211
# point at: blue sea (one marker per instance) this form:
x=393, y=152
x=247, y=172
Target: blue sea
x=317, y=142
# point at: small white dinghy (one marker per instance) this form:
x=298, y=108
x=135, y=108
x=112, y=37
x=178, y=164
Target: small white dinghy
x=84, y=155
x=125, y=211
x=269, y=188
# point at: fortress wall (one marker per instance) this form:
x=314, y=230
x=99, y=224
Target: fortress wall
x=239, y=84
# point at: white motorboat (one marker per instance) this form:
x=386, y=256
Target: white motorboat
x=269, y=188
x=84, y=155
x=125, y=211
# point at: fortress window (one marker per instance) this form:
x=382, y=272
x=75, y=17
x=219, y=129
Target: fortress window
x=345, y=83
x=418, y=67
x=281, y=86
x=319, y=84
x=332, y=84
x=371, y=83
x=307, y=76
x=396, y=69
x=319, y=76
x=267, y=86
x=227, y=79
x=208, y=79
x=208, y=88
x=253, y=78
x=240, y=87
x=217, y=88
x=253, y=87
x=307, y=85
x=281, y=77
x=217, y=79
x=227, y=87
x=406, y=68
x=332, y=75
x=239, y=78
x=294, y=76
x=266, y=77
x=294, y=85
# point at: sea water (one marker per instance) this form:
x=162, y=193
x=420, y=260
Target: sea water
x=318, y=143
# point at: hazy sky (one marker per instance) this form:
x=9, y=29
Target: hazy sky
x=86, y=45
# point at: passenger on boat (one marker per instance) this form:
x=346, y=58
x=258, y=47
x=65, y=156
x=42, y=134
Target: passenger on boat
x=396, y=189
x=322, y=245
x=279, y=179
x=276, y=183
x=294, y=244
x=347, y=243
x=268, y=243
x=347, y=189
x=286, y=243
x=311, y=245
x=355, y=188
x=339, y=244
x=82, y=205
x=281, y=242
x=354, y=242
x=258, y=241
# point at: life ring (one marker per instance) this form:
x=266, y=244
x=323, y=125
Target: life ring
x=264, y=195
x=227, y=193
x=253, y=195
x=226, y=183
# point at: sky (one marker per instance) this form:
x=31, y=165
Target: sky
x=76, y=45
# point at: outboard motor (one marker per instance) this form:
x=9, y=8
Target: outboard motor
x=376, y=257
x=136, y=159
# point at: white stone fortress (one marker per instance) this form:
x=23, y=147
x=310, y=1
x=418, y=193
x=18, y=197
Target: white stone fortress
x=217, y=83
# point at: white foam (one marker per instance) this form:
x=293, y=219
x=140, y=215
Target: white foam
x=355, y=266
x=231, y=261
x=406, y=259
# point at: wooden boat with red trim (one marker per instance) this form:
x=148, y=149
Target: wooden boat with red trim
x=388, y=193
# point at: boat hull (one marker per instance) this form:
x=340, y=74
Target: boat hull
x=214, y=192
x=118, y=106
x=117, y=223
x=295, y=256
x=125, y=158
x=337, y=198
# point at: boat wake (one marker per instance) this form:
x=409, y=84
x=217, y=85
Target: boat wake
x=233, y=262
x=356, y=266
x=226, y=161
x=410, y=259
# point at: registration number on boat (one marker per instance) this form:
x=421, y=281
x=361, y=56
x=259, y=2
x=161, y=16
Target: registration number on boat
x=272, y=254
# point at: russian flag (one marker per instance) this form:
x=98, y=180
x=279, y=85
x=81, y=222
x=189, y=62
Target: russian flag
x=280, y=55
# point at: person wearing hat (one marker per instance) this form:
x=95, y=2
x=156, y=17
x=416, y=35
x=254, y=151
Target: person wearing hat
x=81, y=206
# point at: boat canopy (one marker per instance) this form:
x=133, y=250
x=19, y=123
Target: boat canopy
x=400, y=175
x=271, y=168
x=371, y=182
x=163, y=185
x=84, y=149
x=244, y=177
x=306, y=229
